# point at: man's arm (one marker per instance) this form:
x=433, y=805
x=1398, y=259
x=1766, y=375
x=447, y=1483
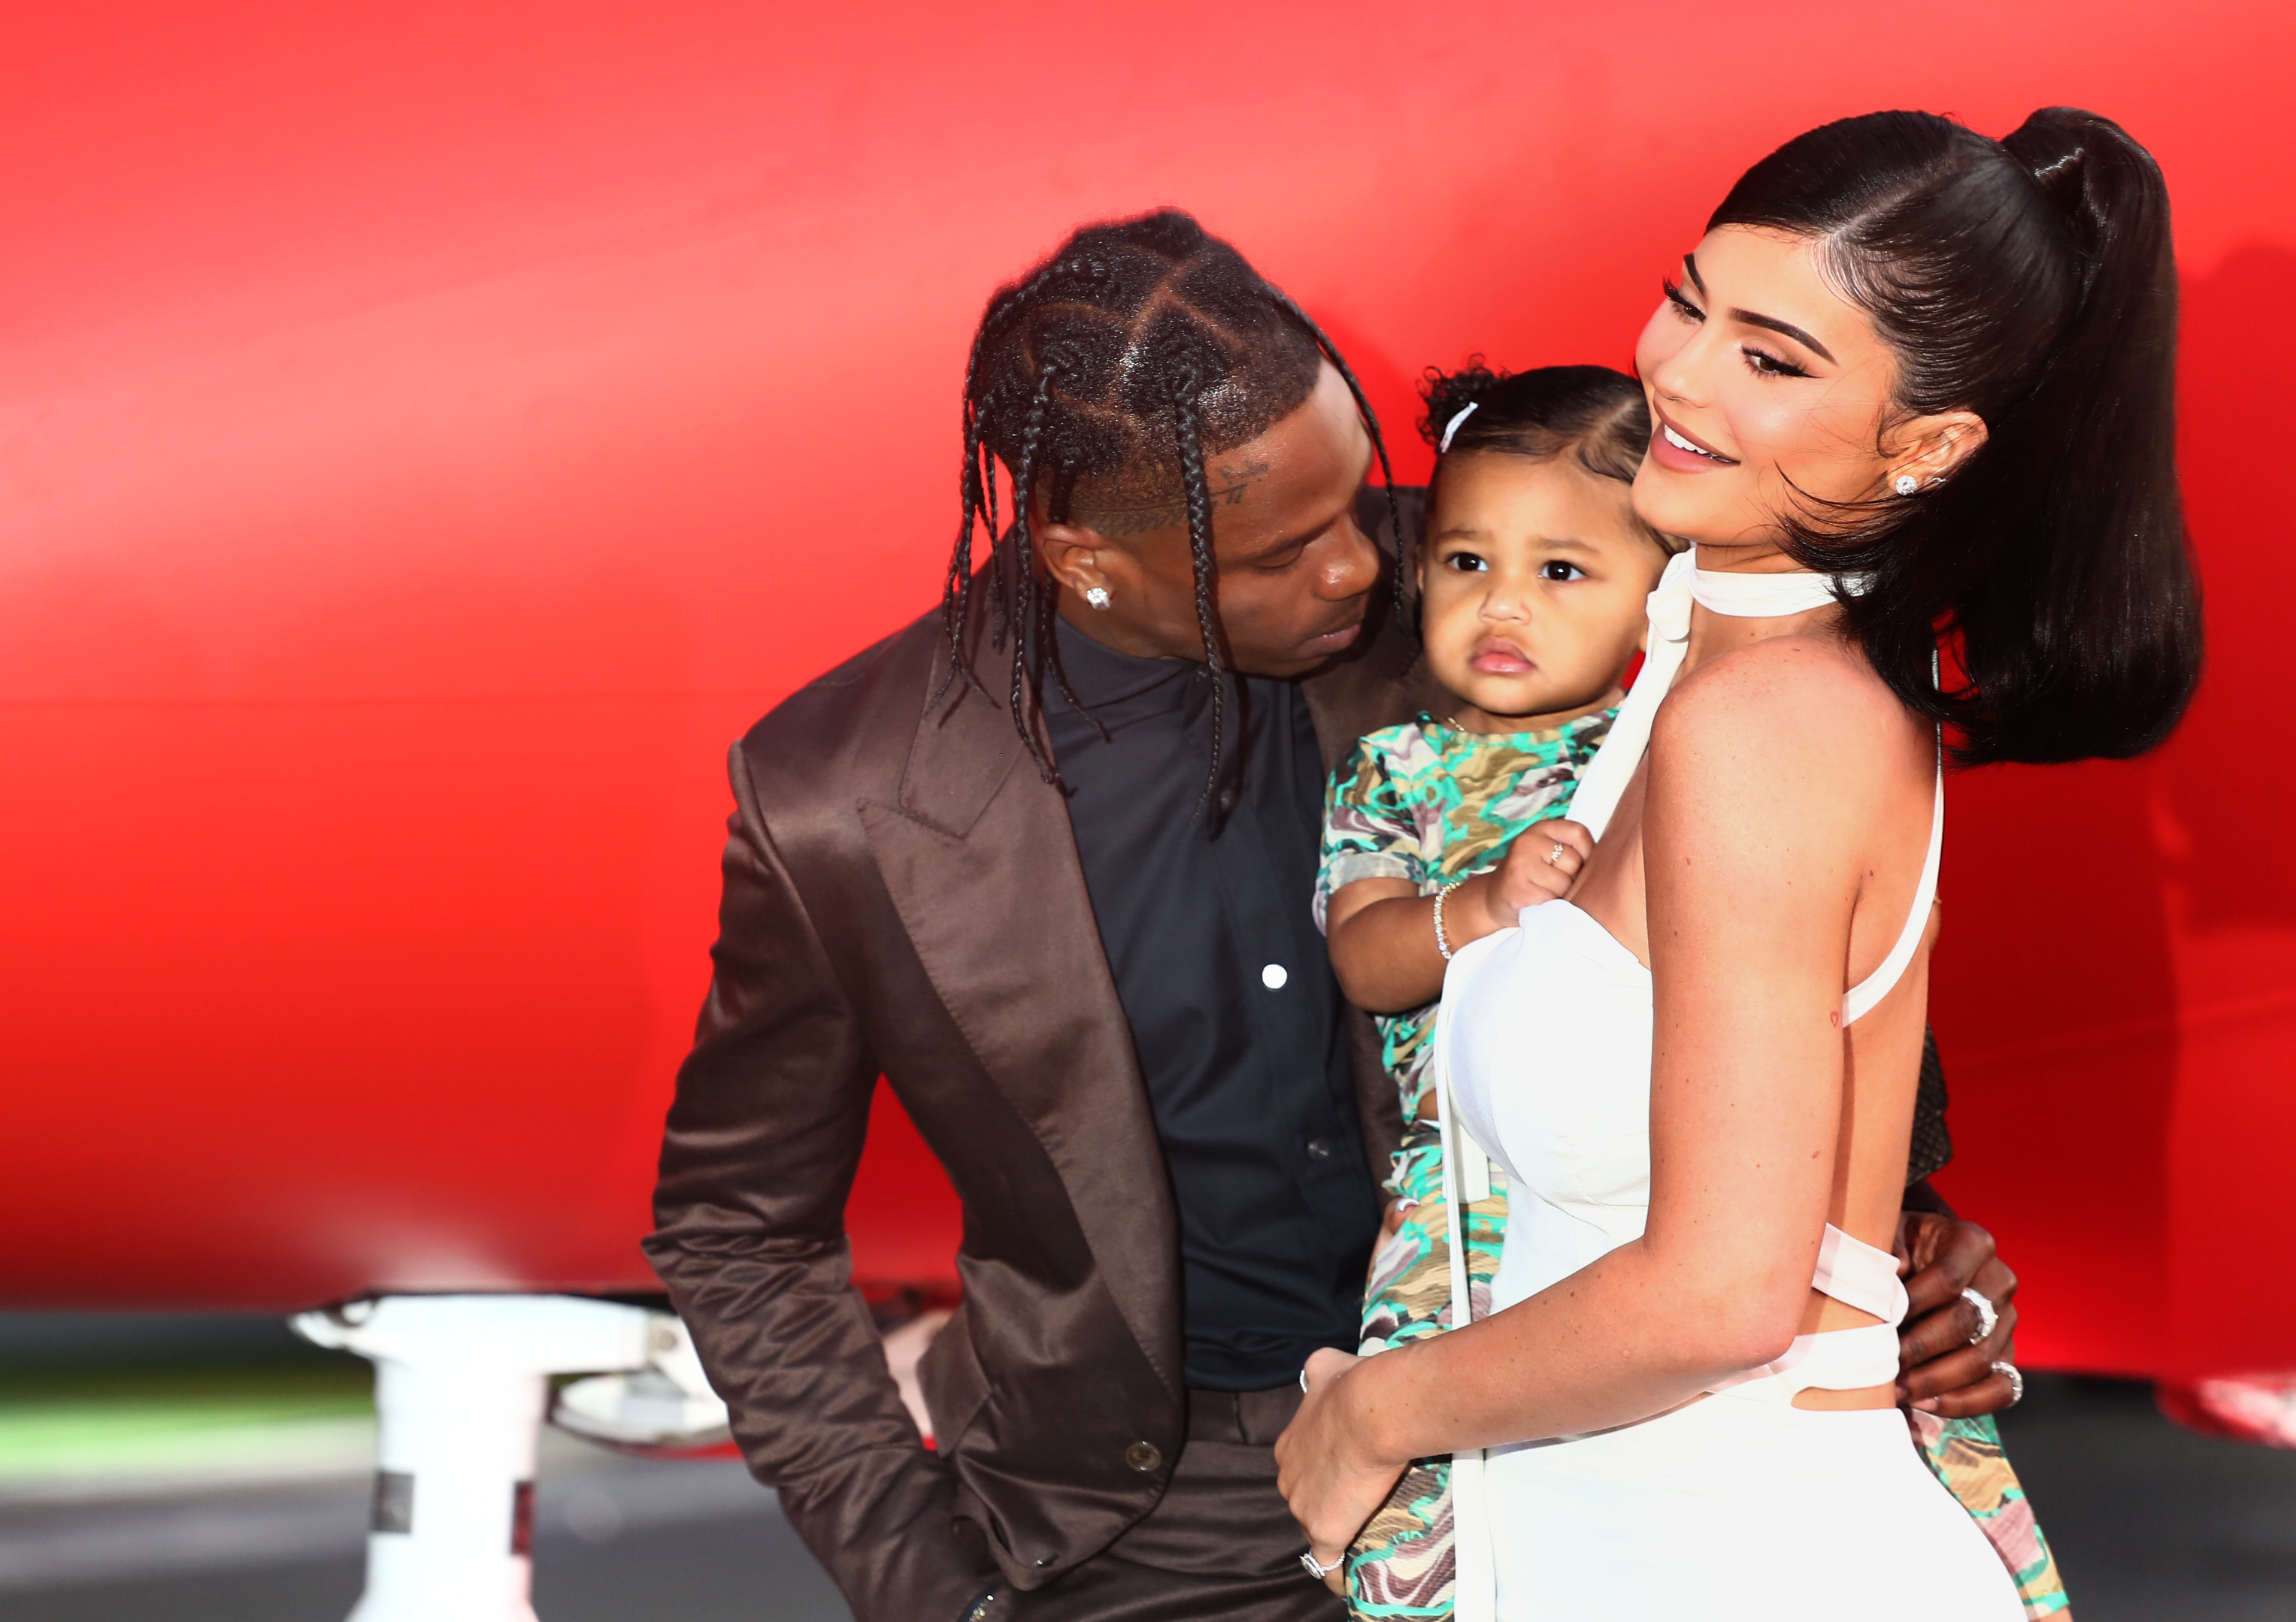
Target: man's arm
x=1941, y=1368
x=772, y=1107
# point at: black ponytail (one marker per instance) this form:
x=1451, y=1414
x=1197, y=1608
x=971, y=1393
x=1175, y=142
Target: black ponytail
x=2030, y=280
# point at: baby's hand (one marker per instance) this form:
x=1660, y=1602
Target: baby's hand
x=1540, y=865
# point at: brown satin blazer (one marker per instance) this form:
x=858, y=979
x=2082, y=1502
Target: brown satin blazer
x=903, y=896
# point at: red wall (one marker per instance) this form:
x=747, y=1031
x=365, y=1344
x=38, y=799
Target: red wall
x=429, y=433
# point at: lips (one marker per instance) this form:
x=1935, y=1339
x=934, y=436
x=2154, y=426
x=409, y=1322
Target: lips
x=1685, y=452
x=1494, y=656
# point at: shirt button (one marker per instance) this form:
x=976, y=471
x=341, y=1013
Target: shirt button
x=1319, y=1148
x=1144, y=1456
x=1227, y=798
x=1274, y=976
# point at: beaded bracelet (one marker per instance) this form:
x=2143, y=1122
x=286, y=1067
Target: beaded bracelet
x=1442, y=941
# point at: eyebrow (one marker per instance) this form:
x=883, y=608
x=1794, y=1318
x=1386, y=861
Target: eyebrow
x=1468, y=532
x=1753, y=319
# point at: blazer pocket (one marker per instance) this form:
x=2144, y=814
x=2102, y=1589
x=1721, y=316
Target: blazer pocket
x=950, y=1376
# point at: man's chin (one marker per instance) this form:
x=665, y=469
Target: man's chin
x=1330, y=645
x=1302, y=658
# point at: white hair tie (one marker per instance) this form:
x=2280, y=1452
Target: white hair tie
x=1452, y=426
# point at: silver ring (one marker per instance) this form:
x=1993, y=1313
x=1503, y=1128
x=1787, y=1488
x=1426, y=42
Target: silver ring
x=1985, y=1316
x=1555, y=856
x=2016, y=1381
x=1319, y=1571
x=1303, y=1380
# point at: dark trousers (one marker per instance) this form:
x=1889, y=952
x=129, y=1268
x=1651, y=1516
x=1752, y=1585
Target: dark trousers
x=1219, y=1543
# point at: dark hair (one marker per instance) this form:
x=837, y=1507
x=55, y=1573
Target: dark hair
x=2029, y=280
x=1138, y=349
x=1592, y=413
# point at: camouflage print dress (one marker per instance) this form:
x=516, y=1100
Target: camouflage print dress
x=1429, y=803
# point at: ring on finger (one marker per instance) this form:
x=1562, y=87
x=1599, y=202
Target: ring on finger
x=1555, y=856
x=2008, y=1371
x=1315, y=1567
x=1987, y=1317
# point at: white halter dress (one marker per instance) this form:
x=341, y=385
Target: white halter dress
x=1740, y=1504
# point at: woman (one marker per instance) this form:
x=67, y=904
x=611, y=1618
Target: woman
x=1935, y=369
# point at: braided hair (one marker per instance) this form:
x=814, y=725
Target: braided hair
x=1138, y=349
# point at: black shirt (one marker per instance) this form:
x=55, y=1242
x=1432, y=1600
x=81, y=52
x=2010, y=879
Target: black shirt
x=1225, y=980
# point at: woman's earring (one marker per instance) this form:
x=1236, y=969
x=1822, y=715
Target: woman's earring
x=1905, y=484
x=1097, y=595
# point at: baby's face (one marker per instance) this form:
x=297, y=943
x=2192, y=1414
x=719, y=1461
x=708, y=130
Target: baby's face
x=1531, y=588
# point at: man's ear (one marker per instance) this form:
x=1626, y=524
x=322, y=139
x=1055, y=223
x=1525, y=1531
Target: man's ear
x=1077, y=557
x=1930, y=449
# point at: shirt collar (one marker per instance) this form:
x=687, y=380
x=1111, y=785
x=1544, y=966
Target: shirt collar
x=1100, y=676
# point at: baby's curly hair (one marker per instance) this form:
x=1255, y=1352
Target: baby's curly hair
x=1592, y=413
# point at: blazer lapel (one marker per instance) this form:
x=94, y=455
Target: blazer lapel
x=978, y=858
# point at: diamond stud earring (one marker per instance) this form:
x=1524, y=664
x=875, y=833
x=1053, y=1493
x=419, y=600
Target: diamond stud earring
x=1905, y=484
x=1097, y=595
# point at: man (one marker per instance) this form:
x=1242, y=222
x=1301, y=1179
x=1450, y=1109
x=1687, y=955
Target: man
x=1044, y=861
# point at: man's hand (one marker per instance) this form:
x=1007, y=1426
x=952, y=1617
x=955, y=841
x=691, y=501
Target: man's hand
x=1538, y=867
x=1940, y=1370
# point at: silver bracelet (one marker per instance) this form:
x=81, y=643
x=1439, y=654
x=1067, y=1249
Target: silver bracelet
x=1443, y=941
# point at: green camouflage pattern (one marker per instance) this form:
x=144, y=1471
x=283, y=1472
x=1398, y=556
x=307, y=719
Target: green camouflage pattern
x=1967, y=1455
x=1429, y=802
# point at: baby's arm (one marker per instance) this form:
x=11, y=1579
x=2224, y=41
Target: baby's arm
x=1382, y=930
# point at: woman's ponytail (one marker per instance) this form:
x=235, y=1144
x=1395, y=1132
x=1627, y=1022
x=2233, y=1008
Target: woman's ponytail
x=2031, y=280
x=2085, y=637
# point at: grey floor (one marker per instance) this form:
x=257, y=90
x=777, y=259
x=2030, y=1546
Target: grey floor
x=2150, y=1522
x=616, y=1540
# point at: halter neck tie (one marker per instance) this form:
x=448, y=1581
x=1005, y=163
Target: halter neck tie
x=1770, y=596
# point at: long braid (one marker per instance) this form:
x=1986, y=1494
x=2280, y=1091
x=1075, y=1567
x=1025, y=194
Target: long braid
x=1187, y=430
x=1400, y=576
x=978, y=487
x=1048, y=639
x=956, y=590
x=1023, y=562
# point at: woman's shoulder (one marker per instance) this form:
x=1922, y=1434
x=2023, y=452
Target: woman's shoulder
x=1799, y=685
x=1782, y=716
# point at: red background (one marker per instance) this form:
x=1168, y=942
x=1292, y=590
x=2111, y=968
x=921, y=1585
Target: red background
x=429, y=433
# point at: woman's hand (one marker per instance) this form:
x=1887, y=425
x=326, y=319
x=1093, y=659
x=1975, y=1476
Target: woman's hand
x=1324, y=1469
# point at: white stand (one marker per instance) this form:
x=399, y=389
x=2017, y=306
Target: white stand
x=460, y=1388
x=666, y=1405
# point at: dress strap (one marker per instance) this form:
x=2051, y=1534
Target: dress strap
x=1861, y=1275
x=1860, y=999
